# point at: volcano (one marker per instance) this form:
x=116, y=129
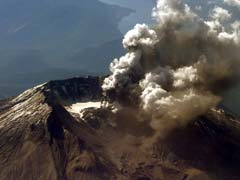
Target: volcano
x=63, y=130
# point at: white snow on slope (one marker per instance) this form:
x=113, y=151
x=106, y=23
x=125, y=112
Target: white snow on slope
x=77, y=108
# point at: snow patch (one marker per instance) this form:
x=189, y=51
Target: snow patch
x=78, y=107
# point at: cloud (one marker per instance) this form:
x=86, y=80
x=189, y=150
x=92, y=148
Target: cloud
x=233, y=3
x=140, y=35
x=175, y=71
x=221, y=14
x=121, y=70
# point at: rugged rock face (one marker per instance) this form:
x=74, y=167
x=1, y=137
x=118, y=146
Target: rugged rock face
x=43, y=136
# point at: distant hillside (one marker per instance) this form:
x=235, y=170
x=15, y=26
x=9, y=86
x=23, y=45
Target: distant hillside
x=97, y=59
x=38, y=38
x=51, y=24
x=142, y=12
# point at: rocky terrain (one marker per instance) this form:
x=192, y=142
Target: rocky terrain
x=62, y=130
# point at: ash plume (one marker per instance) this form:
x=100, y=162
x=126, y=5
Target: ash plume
x=233, y=3
x=177, y=69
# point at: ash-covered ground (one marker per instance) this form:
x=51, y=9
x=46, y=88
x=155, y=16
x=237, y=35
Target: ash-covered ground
x=42, y=137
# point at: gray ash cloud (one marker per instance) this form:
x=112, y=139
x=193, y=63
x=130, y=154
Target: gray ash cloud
x=175, y=71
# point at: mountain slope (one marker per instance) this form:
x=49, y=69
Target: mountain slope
x=59, y=130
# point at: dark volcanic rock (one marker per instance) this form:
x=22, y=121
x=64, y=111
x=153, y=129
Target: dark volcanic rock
x=41, y=139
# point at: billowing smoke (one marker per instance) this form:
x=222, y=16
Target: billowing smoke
x=176, y=70
x=130, y=64
x=234, y=3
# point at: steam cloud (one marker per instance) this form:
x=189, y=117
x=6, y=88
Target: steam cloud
x=179, y=66
x=234, y=3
